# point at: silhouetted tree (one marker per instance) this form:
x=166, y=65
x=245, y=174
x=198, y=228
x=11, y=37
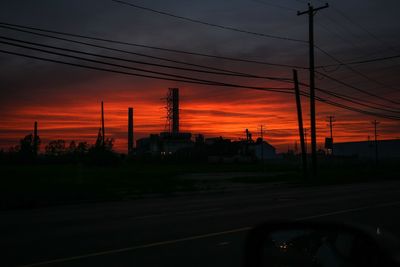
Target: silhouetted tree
x=27, y=146
x=56, y=148
x=103, y=154
x=72, y=147
x=82, y=148
x=99, y=140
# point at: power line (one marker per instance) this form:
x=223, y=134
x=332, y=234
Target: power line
x=357, y=89
x=354, y=101
x=329, y=102
x=177, y=79
x=343, y=97
x=277, y=90
x=354, y=70
x=149, y=64
x=248, y=32
x=344, y=40
x=10, y=25
x=100, y=46
x=360, y=61
x=364, y=29
x=268, y=3
x=348, y=18
x=207, y=23
x=127, y=67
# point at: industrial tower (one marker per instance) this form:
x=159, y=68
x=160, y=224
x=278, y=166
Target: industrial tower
x=173, y=111
x=130, y=130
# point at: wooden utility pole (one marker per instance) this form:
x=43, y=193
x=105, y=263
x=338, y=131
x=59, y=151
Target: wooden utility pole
x=262, y=143
x=102, y=125
x=300, y=120
x=130, y=131
x=375, y=123
x=331, y=120
x=35, y=139
x=311, y=12
x=305, y=138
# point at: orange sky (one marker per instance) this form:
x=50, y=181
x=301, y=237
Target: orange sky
x=65, y=100
x=210, y=111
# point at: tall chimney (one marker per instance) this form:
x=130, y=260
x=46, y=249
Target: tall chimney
x=102, y=124
x=35, y=138
x=175, y=110
x=130, y=130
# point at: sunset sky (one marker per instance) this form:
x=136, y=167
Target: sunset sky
x=65, y=100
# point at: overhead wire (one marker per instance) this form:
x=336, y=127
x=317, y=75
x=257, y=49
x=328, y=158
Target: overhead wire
x=371, y=34
x=360, y=61
x=228, y=28
x=152, y=64
x=132, y=61
x=208, y=23
x=15, y=27
x=362, y=75
x=123, y=66
x=357, y=89
x=277, y=90
x=172, y=50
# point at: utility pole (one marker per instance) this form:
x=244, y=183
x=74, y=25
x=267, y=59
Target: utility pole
x=262, y=143
x=102, y=125
x=130, y=131
x=331, y=120
x=35, y=139
x=300, y=120
x=311, y=12
x=305, y=139
x=375, y=123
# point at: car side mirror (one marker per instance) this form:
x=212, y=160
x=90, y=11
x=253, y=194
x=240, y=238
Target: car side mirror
x=318, y=244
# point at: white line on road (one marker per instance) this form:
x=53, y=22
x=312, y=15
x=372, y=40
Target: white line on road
x=168, y=242
x=176, y=213
x=156, y=244
x=347, y=211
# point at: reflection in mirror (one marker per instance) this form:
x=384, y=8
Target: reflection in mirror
x=316, y=247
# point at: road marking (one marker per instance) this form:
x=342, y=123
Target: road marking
x=186, y=212
x=168, y=242
x=156, y=244
x=347, y=211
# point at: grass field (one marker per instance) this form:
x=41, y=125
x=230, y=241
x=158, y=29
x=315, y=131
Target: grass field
x=30, y=186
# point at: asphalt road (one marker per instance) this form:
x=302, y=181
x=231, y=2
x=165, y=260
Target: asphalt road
x=191, y=230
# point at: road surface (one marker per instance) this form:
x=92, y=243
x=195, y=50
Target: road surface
x=189, y=230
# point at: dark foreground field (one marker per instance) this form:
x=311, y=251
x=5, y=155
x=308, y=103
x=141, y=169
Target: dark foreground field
x=187, y=230
x=37, y=185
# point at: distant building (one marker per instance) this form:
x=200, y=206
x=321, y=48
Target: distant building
x=223, y=150
x=164, y=143
x=263, y=150
x=366, y=149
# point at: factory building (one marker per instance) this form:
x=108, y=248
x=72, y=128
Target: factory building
x=386, y=149
x=170, y=141
x=218, y=149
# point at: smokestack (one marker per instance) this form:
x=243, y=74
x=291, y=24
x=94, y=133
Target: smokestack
x=130, y=130
x=102, y=124
x=175, y=110
x=35, y=138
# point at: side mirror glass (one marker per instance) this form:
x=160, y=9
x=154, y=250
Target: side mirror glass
x=310, y=244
